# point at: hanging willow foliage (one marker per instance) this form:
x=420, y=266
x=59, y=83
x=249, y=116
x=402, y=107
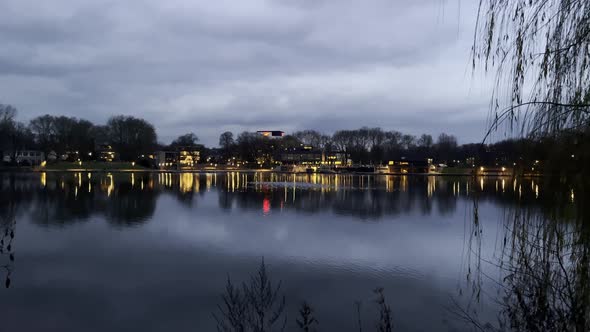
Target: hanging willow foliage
x=539, y=51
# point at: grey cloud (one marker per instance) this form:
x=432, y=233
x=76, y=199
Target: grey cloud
x=209, y=66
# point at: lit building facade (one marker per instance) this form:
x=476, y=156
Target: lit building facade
x=105, y=152
x=312, y=157
x=271, y=133
x=182, y=159
x=404, y=166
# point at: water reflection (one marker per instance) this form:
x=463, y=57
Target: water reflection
x=542, y=264
x=331, y=238
x=130, y=198
x=7, y=235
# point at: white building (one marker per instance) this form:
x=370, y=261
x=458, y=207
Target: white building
x=26, y=156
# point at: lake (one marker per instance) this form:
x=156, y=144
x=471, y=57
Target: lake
x=153, y=251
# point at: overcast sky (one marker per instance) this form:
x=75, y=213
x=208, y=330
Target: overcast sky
x=211, y=66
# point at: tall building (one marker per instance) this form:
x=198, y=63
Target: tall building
x=271, y=133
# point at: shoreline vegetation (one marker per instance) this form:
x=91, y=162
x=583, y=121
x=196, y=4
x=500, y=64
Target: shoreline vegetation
x=125, y=141
x=258, y=304
x=126, y=167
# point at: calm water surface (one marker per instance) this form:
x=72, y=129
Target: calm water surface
x=152, y=252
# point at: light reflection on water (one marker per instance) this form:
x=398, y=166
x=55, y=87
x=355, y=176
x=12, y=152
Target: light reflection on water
x=112, y=238
x=242, y=181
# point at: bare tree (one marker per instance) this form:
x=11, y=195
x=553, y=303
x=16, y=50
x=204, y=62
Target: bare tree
x=226, y=140
x=309, y=137
x=541, y=45
x=131, y=136
x=7, y=125
x=188, y=140
x=232, y=313
x=258, y=307
x=425, y=141
x=307, y=320
x=385, y=323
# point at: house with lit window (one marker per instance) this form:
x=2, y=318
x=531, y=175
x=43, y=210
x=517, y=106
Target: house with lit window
x=184, y=158
x=25, y=157
x=404, y=166
x=166, y=159
x=105, y=152
x=188, y=158
x=312, y=157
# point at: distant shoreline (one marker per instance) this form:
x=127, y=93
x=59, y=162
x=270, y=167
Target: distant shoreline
x=205, y=171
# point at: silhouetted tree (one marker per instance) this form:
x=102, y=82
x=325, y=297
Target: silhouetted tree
x=42, y=128
x=309, y=137
x=63, y=134
x=425, y=141
x=227, y=144
x=385, y=323
x=258, y=307
x=131, y=136
x=7, y=126
x=188, y=140
x=445, y=146
x=306, y=320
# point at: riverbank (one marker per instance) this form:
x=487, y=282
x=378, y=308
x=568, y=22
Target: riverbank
x=128, y=167
x=205, y=171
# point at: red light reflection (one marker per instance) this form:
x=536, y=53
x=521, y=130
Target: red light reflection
x=266, y=206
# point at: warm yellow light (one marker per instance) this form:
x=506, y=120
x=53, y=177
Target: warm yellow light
x=43, y=163
x=80, y=163
x=503, y=169
x=482, y=168
x=133, y=163
x=44, y=179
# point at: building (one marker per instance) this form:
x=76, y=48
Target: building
x=183, y=159
x=105, y=152
x=271, y=133
x=52, y=156
x=166, y=159
x=404, y=166
x=188, y=158
x=25, y=157
x=313, y=157
x=495, y=170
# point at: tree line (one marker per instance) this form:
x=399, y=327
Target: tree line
x=364, y=145
x=565, y=152
x=131, y=137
